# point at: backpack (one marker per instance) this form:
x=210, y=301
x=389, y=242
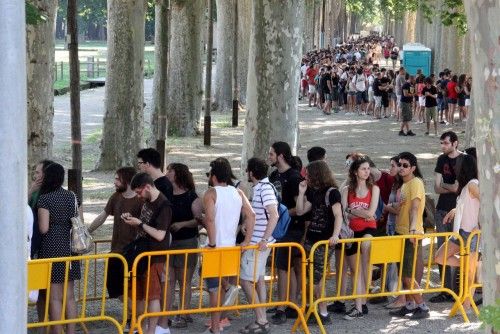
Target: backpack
x=284, y=218
x=345, y=231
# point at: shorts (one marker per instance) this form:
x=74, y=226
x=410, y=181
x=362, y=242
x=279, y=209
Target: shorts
x=398, y=99
x=370, y=95
x=319, y=260
x=281, y=260
x=461, y=102
x=335, y=94
x=361, y=97
x=430, y=113
x=465, y=236
x=304, y=83
x=312, y=89
x=328, y=97
x=421, y=101
x=114, y=280
x=444, y=104
x=378, y=101
x=452, y=101
x=406, y=113
x=360, y=234
x=351, y=93
x=409, y=254
x=177, y=261
x=385, y=100
x=156, y=277
x=248, y=266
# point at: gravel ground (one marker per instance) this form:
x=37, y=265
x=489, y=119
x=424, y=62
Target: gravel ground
x=339, y=134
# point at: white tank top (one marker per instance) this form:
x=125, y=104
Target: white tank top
x=227, y=215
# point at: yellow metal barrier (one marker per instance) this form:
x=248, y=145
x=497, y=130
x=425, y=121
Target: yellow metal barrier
x=383, y=250
x=39, y=278
x=100, y=246
x=470, y=284
x=215, y=263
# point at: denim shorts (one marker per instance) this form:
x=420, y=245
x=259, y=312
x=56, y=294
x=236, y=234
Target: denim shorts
x=465, y=236
x=361, y=97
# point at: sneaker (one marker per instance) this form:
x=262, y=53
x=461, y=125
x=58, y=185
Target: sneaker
x=401, y=133
x=401, y=312
x=442, y=122
x=410, y=133
x=420, y=313
x=291, y=313
x=179, y=322
x=279, y=317
x=325, y=319
x=353, y=314
x=336, y=307
x=231, y=296
x=364, y=308
x=161, y=330
x=443, y=297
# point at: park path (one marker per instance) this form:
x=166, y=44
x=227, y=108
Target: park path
x=337, y=133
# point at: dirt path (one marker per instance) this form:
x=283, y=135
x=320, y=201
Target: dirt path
x=338, y=134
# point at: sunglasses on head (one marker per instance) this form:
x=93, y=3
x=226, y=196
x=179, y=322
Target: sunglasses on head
x=404, y=165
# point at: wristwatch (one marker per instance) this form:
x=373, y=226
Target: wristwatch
x=211, y=246
x=141, y=225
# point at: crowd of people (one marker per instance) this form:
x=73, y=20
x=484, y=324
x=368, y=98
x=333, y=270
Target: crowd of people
x=353, y=77
x=166, y=210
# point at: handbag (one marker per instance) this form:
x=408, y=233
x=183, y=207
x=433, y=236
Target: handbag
x=80, y=238
x=133, y=250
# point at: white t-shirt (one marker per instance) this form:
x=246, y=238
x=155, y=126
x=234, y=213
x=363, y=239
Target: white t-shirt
x=360, y=81
x=263, y=196
x=370, y=83
x=303, y=69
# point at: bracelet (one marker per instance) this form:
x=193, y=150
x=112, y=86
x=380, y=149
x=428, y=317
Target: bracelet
x=211, y=246
x=141, y=225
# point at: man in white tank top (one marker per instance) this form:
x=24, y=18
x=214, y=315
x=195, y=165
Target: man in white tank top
x=223, y=205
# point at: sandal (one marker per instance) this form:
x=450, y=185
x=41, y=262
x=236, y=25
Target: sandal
x=260, y=329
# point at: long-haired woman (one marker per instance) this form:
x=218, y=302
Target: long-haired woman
x=360, y=199
x=319, y=194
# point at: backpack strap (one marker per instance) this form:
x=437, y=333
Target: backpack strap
x=327, y=196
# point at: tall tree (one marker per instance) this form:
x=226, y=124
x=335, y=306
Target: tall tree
x=273, y=76
x=124, y=118
x=40, y=73
x=483, y=17
x=225, y=53
x=160, y=80
x=244, y=30
x=185, y=67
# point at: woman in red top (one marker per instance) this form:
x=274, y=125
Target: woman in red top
x=360, y=198
x=452, y=98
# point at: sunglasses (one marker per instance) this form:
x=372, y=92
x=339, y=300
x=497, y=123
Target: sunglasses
x=404, y=165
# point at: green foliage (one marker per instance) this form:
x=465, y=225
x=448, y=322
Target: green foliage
x=33, y=14
x=366, y=9
x=491, y=315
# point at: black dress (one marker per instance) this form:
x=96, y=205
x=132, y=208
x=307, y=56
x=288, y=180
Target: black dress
x=56, y=242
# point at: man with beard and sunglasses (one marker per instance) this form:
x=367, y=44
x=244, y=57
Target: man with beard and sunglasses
x=123, y=200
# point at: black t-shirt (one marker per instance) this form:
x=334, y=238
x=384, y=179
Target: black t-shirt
x=181, y=211
x=446, y=167
x=165, y=187
x=335, y=80
x=406, y=99
x=322, y=218
x=376, y=87
x=287, y=187
x=443, y=87
x=385, y=81
x=429, y=100
x=324, y=83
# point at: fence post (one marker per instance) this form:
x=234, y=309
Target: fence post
x=90, y=67
x=98, y=65
x=55, y=69
x=62, y=70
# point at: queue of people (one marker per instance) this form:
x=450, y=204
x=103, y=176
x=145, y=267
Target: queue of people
x=166, y=210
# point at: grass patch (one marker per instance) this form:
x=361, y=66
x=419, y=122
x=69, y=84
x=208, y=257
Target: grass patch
x=94, y=137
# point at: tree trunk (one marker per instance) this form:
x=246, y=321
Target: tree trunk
x=244, y=32
x=159, y=113
x=273, y=77
x=452, y=51
x=225, y=52
x=308, y=31
x=483, y=20
x=40, y=79
x=124, y=119
x=185, y=68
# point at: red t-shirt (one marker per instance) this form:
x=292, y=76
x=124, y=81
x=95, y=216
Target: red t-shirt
x=452, y=93
x=311, y=74
x=358, y=224
x=385, y=184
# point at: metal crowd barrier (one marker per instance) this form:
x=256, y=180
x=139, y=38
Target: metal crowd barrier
x=39, y=278
x=215, y=263
x=383, y=251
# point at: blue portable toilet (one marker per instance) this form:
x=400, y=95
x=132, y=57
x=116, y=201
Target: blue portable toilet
x=417, y=56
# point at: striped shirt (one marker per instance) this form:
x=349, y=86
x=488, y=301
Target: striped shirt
x=263, y=195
